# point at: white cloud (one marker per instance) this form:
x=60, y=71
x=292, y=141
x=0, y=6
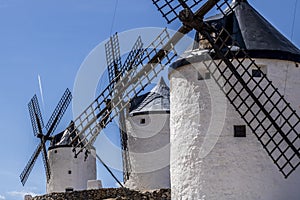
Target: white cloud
x=2, y=197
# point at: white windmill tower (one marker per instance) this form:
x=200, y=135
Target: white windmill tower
x=148, y=130
x=70, y=173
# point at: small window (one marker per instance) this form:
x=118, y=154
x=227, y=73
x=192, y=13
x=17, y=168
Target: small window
x=239, y=130
x=256, y=73
x=69, y=189
x=142, y=121
x=69, y=172
x=207, y=75
x=200, y=77
x=55, y=151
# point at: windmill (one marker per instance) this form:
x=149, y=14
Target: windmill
x=161, y=52
x=44, y=133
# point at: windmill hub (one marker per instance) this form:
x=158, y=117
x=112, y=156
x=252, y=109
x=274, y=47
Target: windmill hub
x=186, y=15
x=44, y=137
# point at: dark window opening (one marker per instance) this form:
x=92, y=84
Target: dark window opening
x=201, y=77
x=55, y=151
x=142, y=121
x=256, y=73
x=207, y=75
x=239, y=130
x=69, y=189
x=69, y=172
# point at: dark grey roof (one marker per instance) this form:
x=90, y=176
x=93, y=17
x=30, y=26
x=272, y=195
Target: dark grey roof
x=157, y=100
x=253, y=33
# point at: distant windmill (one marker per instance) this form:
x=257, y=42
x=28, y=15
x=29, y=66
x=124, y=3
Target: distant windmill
x=44, y=133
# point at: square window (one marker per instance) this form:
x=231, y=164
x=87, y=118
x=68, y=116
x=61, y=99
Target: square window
x=200, y=77
x=69, y=172
x=143, y=121
x=207, y=75
x=239, y=130
x=256, y=73
x=69, y=189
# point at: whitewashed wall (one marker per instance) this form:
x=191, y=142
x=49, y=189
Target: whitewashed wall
x=149, y=151
x=61, y=161
x=207, y=162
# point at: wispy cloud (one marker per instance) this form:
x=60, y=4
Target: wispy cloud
x=2, y=197
x=21, y=193
x=41, y=91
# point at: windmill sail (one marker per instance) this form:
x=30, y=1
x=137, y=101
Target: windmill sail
x=58, y=112
x=35, y=116
x=28, y=168
x=113, y=58
x=259, y=103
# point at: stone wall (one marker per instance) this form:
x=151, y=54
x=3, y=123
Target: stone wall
x=109, y=194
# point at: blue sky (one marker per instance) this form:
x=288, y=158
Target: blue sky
x=51, y=39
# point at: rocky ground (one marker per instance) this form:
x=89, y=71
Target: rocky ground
x=109, y=194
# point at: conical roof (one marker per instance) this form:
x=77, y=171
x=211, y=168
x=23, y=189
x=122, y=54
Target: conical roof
x=157, y=100
x=253, y=33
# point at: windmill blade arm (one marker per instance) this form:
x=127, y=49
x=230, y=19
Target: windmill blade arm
x=134, y=56
x=46, y=161
x=124, y=143
x=28, y=168
x=35, y=116
x=58, y=112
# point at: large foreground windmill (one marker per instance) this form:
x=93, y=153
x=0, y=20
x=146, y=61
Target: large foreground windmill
x=44, y=133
